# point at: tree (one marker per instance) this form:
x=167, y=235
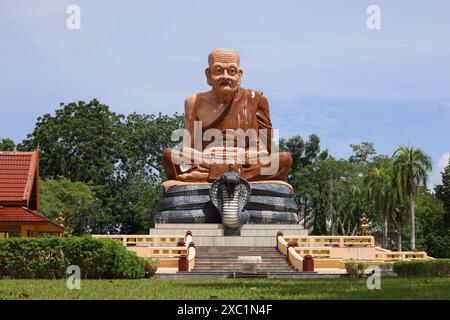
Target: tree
x=312, y=148
x=432, y=230
x=144, y=139
x=362, y=152
x=295, y=146
x=7, y=144
x=120, y=157
x=410, y=171
x=129, y=205
x=379, y=186
x=132, y=196
x=81, y=142
x=75, y=200
x=325, y=192
x=398, y=217
x=443, y=192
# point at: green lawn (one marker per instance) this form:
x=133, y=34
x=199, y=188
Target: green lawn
x=341, y=288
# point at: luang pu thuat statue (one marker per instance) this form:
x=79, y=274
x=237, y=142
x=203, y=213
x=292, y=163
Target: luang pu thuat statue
x=227, y=141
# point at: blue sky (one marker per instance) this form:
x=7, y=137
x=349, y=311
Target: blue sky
x=321, y=68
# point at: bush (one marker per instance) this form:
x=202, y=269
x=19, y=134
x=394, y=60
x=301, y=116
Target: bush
x=48, y=258
x=435, y=267
x=32, y=258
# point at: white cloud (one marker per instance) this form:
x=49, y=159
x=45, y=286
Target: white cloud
x=442, y=163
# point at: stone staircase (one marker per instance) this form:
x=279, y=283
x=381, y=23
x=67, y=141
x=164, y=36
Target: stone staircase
x=225, y=260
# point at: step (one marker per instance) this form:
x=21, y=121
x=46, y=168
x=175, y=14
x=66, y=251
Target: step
x=218, y=263
x=237, y=248
x=235, y=259
x=237, y=254
x=230, y=263
x=271, y=275
x=243, y=270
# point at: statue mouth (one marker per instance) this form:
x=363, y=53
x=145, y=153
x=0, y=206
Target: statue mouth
x=226, y=84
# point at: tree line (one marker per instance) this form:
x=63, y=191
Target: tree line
x=390, y=190
x=103, y=171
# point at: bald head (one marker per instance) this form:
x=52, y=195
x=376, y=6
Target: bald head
x=223, y=55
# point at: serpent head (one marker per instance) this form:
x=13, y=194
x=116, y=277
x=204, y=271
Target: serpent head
x=230, y=194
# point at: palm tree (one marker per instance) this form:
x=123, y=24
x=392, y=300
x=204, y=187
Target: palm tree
x=357, y=206
x=398, y=217
x=410, y=171
x=379, y=187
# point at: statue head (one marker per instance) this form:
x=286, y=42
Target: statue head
x=223, y=72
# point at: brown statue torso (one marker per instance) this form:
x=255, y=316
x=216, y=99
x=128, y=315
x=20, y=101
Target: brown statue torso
x=248, y=110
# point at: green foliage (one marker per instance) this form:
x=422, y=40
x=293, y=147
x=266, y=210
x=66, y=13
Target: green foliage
x=152, y=261
x=120, y=159
x=32, y=258
x=76, y=200
x=443, y=193
x=312, y=148
x=437, y=267
x=151, y=265
x=437, y=244
x=303, y=154
x=325, y=190
x=362, y=152
x=129, y=205
x=381, y=193
x=410, y=169
x=103, y=170
x=295, y=146
x=144, y=139
x=48, y=258
x=81, y=142
x=7, y=144
x=431, y=227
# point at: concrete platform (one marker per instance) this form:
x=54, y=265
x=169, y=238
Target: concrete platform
x=213, y=234
x=227, y=275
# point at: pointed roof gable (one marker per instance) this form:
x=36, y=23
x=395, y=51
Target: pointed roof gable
x=19, y=179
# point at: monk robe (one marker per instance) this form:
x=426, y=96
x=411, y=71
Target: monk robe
x=248, y=110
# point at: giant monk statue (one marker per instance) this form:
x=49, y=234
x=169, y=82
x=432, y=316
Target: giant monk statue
x=226, y=170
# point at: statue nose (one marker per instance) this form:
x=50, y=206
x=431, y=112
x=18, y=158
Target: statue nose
x=226, y=74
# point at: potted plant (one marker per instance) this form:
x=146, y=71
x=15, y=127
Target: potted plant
x=351, y=267
x=151, y=265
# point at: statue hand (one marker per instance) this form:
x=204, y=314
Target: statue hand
x=194, y=176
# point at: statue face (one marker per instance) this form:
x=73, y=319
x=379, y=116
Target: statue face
x=224, y=74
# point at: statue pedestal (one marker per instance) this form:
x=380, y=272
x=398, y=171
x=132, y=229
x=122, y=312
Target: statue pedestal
x=271, y=202
x=213, y=234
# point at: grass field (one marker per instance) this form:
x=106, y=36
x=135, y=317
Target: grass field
x=226, y=289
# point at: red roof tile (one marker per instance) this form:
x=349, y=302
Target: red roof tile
x=18, y=171
x=21, y=214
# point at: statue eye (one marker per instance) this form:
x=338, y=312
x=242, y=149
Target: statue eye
x=218, y=70
x=232, y=71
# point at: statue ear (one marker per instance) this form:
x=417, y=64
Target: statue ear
x=208, y=76
x=241, y=72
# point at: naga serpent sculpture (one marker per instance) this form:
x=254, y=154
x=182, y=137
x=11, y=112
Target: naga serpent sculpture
x=229, y=194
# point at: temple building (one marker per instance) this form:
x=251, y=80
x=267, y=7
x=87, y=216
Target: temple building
x=19, y=197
